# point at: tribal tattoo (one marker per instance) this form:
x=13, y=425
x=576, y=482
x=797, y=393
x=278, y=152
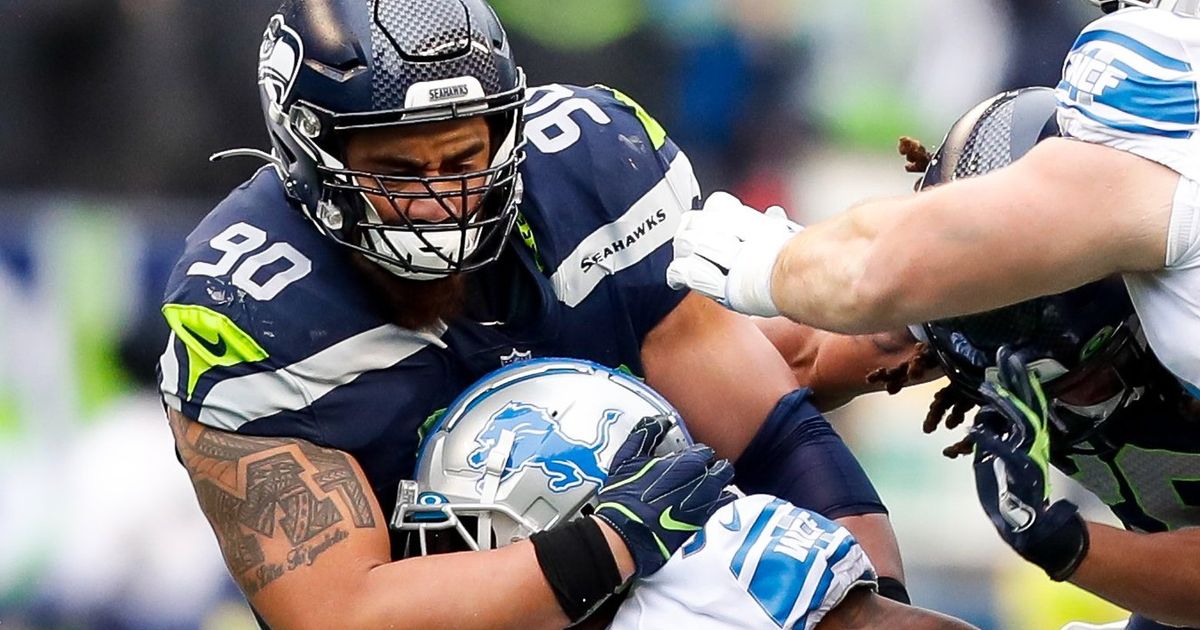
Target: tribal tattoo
x=253, y=489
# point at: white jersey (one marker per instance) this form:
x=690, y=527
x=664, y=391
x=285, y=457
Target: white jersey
x=1131, y=83
x=760, y=562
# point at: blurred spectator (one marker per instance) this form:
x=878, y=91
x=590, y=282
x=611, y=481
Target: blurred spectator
x=127, y=95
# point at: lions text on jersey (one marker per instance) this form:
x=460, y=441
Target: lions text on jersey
x=1130, y=83
x=276, y=333
x=767, y=564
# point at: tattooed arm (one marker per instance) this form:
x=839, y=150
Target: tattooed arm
x=308, y=544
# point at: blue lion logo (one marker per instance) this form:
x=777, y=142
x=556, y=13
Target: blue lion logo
x=539, y=442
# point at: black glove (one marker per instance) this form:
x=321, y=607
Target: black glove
x=657, y=503
x=1012, y=467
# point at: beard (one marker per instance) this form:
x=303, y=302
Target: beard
x=414, y=304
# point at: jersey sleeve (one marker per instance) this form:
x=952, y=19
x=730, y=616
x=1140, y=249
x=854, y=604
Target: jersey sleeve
x=268, y=335
x=1130, y=82
x=610, y=156
x=765, y=563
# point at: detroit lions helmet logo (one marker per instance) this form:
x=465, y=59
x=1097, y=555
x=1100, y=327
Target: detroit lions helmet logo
x=538, y=442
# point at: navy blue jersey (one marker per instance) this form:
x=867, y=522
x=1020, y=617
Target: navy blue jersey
x=276, y=333
x=1146, y=467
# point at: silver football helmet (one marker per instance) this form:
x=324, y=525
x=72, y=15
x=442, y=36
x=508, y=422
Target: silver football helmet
x=524, y=448
x=1182, y=7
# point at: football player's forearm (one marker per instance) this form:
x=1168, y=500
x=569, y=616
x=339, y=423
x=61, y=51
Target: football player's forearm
x=888, y=263
x=844, y=362
x=821, y=276
x=865, y=610
x=1042, y=225
x=305, y=540
x=875, y=535
x=459, y=590
x=1157, y=575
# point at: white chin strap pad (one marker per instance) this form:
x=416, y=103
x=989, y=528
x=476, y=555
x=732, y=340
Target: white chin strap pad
x=436, y=251
x=447, y=247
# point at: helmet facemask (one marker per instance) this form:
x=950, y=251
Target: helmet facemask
x=438, y=525
x=1109, y=376
x=480, y=206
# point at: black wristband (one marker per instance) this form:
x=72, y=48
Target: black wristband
x=578, y=564
x=893, y=589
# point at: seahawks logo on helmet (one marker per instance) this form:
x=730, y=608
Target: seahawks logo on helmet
x=279, y=59
x=539, y=442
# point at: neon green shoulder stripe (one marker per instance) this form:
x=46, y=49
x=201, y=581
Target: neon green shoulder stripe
x=526, y=233
x=212, y=340
x=658, y=135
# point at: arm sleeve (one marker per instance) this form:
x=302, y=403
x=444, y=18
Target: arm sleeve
x=797, y=456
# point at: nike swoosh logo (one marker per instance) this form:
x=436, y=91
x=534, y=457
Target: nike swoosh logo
x=734, y=523
x=217, y=348
x=669, y=523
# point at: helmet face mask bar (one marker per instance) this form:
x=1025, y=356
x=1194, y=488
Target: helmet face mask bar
x=472, y=235
x=1084, y=396
x=480, y=206
x=425, y=514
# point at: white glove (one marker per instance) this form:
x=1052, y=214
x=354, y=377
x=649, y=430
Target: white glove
x=727, y=251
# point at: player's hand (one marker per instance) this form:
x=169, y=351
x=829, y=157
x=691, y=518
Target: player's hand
x=1012, y=467
x=657, y=503
x=727, y=251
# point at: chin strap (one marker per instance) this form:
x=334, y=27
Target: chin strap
x=493, y=472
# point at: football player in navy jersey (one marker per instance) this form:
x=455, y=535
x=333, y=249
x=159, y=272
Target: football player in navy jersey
x=423, y=219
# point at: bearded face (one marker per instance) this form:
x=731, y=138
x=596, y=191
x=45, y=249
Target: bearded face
x=414, y=304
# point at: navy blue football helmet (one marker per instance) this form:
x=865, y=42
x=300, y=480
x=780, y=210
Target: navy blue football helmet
x=1086, y=343
x=327, y=67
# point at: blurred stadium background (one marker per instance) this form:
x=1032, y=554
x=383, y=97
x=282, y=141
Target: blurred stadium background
x=111, y=107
